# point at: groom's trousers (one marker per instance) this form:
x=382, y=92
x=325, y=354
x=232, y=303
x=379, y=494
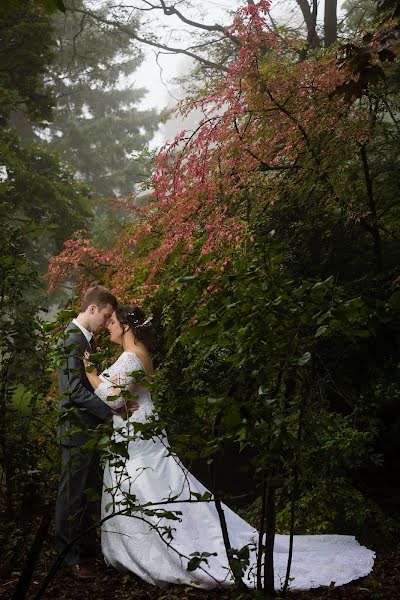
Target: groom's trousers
x=76, y=510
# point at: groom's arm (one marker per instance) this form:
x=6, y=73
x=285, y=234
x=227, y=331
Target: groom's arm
x=71, y=380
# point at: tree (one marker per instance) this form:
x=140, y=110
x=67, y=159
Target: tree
x=309, y=11
x=97, y=127
x=270, y=128
x=41, y=192
x=37, y=188
x=27, y=49
x=358, y=13
x=330, y=22
x=207, y=35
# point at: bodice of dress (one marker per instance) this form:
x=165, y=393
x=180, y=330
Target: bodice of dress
x=119, y=375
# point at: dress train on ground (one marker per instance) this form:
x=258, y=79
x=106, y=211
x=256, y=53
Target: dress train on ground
x=158, y=549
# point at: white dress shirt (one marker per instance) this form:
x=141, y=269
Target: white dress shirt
x=88, y=334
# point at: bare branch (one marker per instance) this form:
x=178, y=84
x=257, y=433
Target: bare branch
x=134, y=35
x=171, y=10
x=170, y=94
x=205, y=44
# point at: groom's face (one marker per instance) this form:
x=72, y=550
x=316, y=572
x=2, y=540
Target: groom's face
x=99, y=317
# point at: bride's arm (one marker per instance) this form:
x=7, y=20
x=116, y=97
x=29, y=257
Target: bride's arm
x=106, y=388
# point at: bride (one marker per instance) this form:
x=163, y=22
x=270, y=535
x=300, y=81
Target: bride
x=165, y=523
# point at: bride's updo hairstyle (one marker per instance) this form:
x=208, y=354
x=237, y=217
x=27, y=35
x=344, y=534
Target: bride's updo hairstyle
x=133, y=316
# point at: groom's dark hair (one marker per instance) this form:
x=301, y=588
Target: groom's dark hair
x=100, y=296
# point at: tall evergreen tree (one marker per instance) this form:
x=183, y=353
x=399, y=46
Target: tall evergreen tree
x=97, y=123
x=37, y=190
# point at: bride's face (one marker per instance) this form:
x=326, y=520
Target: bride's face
x=115, y=329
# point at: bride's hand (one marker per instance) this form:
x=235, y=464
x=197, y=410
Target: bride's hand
x=88, y=363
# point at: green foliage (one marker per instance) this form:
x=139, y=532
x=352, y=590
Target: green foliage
x=26, y=418
x=49, y=6
x=27, y=49
x=39, y=192
x=268, y=363
x=344, y=220
x=198, y=558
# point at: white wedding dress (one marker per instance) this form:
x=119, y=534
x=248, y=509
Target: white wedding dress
x=139, y=543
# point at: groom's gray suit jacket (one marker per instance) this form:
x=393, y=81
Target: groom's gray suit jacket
x=76, y=391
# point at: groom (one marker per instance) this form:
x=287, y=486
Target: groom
x=82, y=410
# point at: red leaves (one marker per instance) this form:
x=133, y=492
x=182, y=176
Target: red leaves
x=255, y=122
x=270, y=116
x=79, y=260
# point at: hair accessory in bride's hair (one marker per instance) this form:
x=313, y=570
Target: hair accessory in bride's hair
x=135, y=320
x=146, y=322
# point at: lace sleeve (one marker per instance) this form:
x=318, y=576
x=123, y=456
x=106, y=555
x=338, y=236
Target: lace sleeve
x=118, y=378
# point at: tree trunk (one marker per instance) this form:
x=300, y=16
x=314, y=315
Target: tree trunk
x=225, y=535
x=261, y=532
x=330, y=22
x=310, y=19
x=269, y=587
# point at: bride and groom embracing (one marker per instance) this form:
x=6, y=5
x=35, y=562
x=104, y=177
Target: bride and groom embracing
x=146, y=475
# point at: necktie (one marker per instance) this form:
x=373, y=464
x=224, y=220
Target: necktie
x=92, y=345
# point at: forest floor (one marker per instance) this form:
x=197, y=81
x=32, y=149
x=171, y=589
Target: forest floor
x=382, y=584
